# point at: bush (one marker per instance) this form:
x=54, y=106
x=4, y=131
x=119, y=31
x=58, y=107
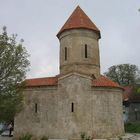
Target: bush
x=132, y=127
x=44, y=138
x=1, y=131
x=25, y=137
x=85, y=137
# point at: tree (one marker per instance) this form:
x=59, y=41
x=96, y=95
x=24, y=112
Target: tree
x=13, y=67
x=123, y=74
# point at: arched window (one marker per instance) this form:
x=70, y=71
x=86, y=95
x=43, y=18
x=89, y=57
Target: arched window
x=86, y=51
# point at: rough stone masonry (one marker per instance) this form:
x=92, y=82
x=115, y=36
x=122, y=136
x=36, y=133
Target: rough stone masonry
x=77, y=100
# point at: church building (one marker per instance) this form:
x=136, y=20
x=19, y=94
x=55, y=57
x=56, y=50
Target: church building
x=79, y=99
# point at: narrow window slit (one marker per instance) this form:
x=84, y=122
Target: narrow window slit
x=36, y=108
x=72, y=107
x=66, y=53
x=86, y=51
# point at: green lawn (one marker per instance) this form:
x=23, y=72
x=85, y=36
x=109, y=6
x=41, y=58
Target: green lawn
x=133, y=127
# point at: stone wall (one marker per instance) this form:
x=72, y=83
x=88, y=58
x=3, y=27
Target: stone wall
x=37, y=123
x=75, y=40
x=107, y=112
x=96, y=111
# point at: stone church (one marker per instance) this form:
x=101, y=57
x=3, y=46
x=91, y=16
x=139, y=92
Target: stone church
x=77, y=100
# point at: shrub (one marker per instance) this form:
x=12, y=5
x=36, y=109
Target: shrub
x=44, y=138
x=85, y=137
x=25, y=137
x=1, y=131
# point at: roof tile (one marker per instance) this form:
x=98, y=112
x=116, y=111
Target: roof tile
x=47, y=81
x=79, y=19
x=103, y=81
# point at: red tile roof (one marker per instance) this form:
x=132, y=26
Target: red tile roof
x=128, y=90
x=131, y=94
x=78, y=19
x=48, y=81
x=103, y=81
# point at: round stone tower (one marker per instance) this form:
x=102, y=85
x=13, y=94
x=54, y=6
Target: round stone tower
x=79, y=49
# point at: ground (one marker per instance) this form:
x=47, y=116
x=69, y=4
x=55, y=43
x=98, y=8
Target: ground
x=127, y=136
x=5, y=138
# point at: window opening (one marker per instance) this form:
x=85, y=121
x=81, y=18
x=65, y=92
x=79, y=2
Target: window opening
x=36, y=108
x=66, y=53
x=85, y=50
x=72, y=107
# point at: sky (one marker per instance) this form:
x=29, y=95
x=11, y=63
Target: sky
x=38, y=22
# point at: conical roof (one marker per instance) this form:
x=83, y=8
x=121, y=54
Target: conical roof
x=79, y=19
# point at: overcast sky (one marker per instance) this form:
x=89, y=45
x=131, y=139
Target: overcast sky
x=38, y=22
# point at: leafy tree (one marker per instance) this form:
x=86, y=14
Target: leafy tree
x=13, y=67
x=123, y=74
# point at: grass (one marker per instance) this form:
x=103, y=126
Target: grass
x=133, y=127
x=25, y=137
